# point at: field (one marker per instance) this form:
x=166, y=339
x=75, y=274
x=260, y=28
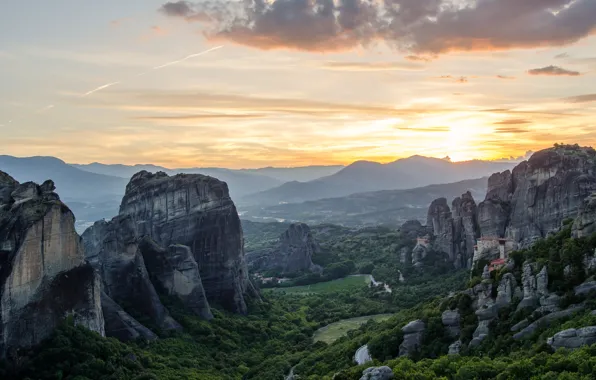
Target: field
x=346, y=283
x=334, y=331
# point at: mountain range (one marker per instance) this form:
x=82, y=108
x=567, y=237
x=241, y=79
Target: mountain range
x=387, y=207
x=366, y=176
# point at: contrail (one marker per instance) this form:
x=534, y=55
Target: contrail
x=185, y=58
x=100, y=88
x=47, y=108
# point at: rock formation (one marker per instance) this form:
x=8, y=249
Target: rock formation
x=178, y=235
x=535, y=287
x=377, y=373
x=113, y=249
x=454, y=229
x=196, y=211
x=175, y=272
x=43, y=274
x=573, y=338
x=412, y=337
x=293, y=253
x=412, y=229
x=450, y=319
x=534, y=199
x=585, y=223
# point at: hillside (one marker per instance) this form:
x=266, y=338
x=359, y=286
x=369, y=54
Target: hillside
x=366, y=176
x=240, y=183
x=91, y=196
x=390, y=207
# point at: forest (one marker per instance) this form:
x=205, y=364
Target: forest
x=278, y=332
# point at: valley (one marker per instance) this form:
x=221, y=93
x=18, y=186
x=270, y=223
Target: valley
x=177, y=286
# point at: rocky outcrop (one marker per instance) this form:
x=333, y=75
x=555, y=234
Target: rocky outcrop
x=175, y=272
x=585, y=288
x=585, y=223
x=535, y=287
x=293, y=253
x=43, y=274
x=119, y=324
x=455, y=348
x=466, y=229
x=573, y=338
x=196, y=211
x=506, y=290
x=413, y=332
x=179, y=234
x=450, y=319
x=539, y=194
x=528, y=329
x=113, y=249
x=485, y=316
x=454, y=229
x=440, y=223
x=412, y=229
x=377, y=373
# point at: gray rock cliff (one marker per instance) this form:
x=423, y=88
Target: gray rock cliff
x=539, y=194
x=43, y=274
x=179, y=234
x=293, y=253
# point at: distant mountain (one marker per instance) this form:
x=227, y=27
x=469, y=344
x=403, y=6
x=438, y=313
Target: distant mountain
x=239, y=183
x=90, y=196
x=301, y=174
x=389, y=207
x=365, y=176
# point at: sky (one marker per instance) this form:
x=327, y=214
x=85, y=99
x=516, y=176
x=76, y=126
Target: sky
x=294, y=82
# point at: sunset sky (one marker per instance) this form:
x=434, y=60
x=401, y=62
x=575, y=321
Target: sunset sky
x=297, y=82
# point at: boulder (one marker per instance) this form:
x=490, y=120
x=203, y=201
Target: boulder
x=450, y=319
x=43, y=274
x=585, y=288
x=413, y=332
x=573, y=338
x=377, y=373
x=546, y=321
x=455, y=348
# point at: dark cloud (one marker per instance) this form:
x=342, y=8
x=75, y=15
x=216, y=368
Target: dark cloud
x=554, y=71
x=562, y=56
x=582, y=98
x=422, y=27
x=506, y=77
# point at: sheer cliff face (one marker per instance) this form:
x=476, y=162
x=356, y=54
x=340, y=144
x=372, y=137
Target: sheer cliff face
x=539, y=194
x=43, y=275
x=180, y=235
x=454, y=229
x=292, y=254
x=195, y=211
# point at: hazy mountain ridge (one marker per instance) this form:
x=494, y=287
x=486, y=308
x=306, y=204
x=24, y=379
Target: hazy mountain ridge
x=391, y=207
x=366, y=176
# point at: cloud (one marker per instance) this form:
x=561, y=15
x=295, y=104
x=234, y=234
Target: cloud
x=200, y=117
x=554, y=71
x=372, y=66
x=506, y=77
x=159, y=31
x=562, y=56
x=513, y=122
x=581, y=98
x=422, y=27
x=461, y=79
